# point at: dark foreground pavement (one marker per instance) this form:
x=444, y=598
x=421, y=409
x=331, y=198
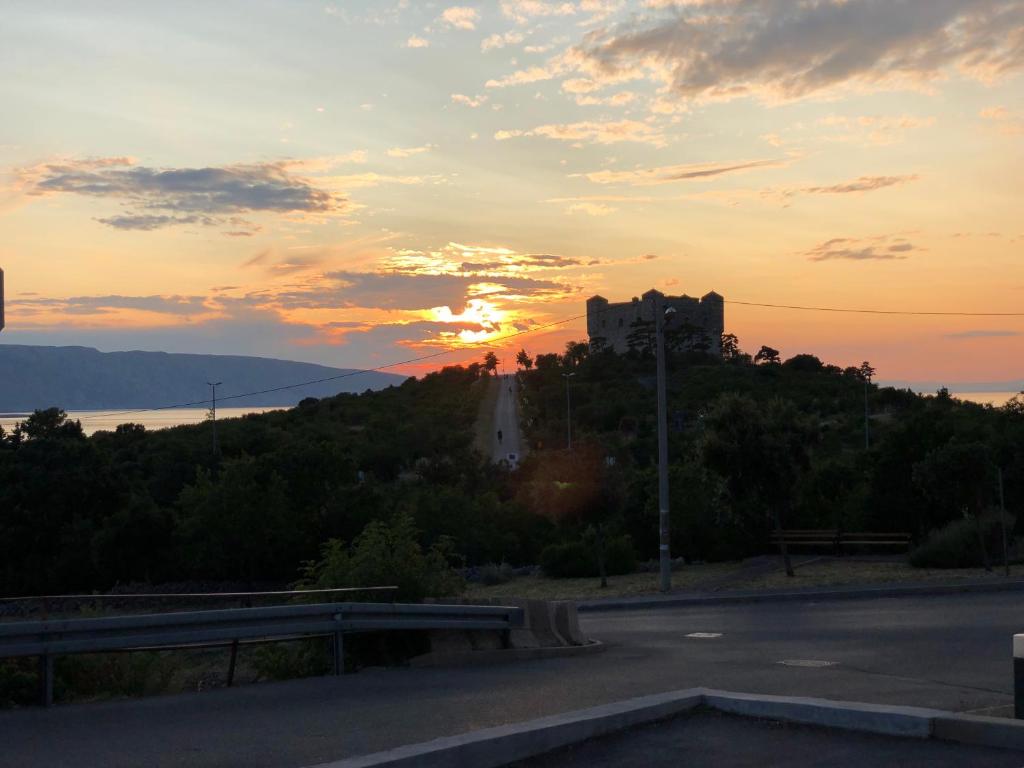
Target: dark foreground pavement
x=713, y=740
x=951, y=652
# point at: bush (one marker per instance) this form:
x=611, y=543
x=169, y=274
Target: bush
x=386, y=554
x=955, y=545
x=491, y=574
x=575, y=559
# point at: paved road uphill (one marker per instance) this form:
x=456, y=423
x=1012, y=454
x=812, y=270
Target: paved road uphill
x=947, y=652
x=506, y=419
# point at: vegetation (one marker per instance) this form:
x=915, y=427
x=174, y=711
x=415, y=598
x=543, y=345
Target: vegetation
x=755, y=443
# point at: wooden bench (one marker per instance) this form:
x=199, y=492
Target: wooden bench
x=836, y=539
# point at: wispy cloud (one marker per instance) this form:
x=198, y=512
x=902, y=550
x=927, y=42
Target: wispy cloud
x=492, y=42
x=611, y=132
x=862, y=184
x=879, y=248
x=672, y=173
x=982, y=334
x=468, y=101
x=415, y=41
x=408, y=151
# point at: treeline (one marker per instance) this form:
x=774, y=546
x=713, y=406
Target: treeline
x=78, y=513
x=753, y=438
x=754, y=442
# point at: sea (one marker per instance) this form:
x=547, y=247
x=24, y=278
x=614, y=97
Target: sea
x=94, y=421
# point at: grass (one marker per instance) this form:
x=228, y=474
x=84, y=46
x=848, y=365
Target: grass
x=851, y=572
x=542, y=588
x=716, y=577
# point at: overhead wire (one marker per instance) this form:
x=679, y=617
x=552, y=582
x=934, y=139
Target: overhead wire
x=495, y=341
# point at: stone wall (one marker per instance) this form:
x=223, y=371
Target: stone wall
x=612, y=324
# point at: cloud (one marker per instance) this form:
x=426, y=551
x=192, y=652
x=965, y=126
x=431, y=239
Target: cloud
x=1008, y=123
x=460, y=17
x=161, y=197
x=670, y=173
x=862, y=184
x=591, y=131
x=408, y=151
x=982, y=334
x=525, y=76
x=591, y=209
x=494, y=41
x=781, y=50
x=415, y=41
x=523, y=11
x=468, y=101
x=99, y=305
x=880, y=248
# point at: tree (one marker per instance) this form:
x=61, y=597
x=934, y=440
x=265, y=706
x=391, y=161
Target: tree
x=954, y=479
x=491, y=363
x=767, y=355
x=761, y=452
x=524, y=360
x=576, y=352
x=866, y=371
x=730, y=347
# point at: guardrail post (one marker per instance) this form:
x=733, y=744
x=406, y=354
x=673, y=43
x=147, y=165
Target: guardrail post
x=231, y=664
x=1018, y=677
x=339, y=653
x=46, y=680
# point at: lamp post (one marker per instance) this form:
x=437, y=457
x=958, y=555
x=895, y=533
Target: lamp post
x=568, y=410
x=661, y=317
x=213, y=411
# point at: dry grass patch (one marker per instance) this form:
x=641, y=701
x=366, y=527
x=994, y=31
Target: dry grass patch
x=843, y=572
x=542, y=588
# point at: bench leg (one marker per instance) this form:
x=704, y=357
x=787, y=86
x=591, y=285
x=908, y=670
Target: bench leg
x=46, y=680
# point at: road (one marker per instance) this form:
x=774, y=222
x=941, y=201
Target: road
x=506, y=419
x=950, y=652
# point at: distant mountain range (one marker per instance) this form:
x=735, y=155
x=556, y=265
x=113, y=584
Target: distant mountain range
x=81, y=378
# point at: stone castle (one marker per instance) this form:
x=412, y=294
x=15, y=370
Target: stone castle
x=629, y=324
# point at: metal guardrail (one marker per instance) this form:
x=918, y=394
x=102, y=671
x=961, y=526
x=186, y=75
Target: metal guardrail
x=48, y=638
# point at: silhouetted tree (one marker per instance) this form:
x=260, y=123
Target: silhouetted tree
x=767, y=355
x=491, y=363
x=524, y=360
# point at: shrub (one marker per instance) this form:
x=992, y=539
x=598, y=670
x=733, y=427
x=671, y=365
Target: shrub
x=955, y=545
x=492, y=574
x=386, y=553
x=575, y=559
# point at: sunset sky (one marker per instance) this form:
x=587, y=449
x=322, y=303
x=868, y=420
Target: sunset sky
x=359, y=183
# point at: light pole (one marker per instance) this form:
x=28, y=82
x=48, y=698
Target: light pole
x=867, y=434
x=568, y=410
x=661, y=316
x=213, y=411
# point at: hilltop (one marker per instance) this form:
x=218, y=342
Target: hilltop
x=82, y=378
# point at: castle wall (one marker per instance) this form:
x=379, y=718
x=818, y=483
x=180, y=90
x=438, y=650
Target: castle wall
x=614, y=322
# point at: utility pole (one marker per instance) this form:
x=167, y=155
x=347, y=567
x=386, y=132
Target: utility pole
x=867, y=434
x=1002, y=520
x=664, y=559
x=568, y=410
x=213, y=411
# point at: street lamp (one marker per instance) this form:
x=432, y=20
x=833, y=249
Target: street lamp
x=213, y=410
x=568, y=409
x=661, y=318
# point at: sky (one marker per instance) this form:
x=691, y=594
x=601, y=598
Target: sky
x=363, y=183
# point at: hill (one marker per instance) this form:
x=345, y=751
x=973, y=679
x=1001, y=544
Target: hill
x=81, y=378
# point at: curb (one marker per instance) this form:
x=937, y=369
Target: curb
x=503, y=745
x=811, y=593
x=500, y=656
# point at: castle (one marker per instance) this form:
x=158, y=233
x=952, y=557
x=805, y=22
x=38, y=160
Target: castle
x=697, y=323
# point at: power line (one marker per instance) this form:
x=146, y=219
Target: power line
x=876, y=311
x=492, y=342
x=283, y=388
